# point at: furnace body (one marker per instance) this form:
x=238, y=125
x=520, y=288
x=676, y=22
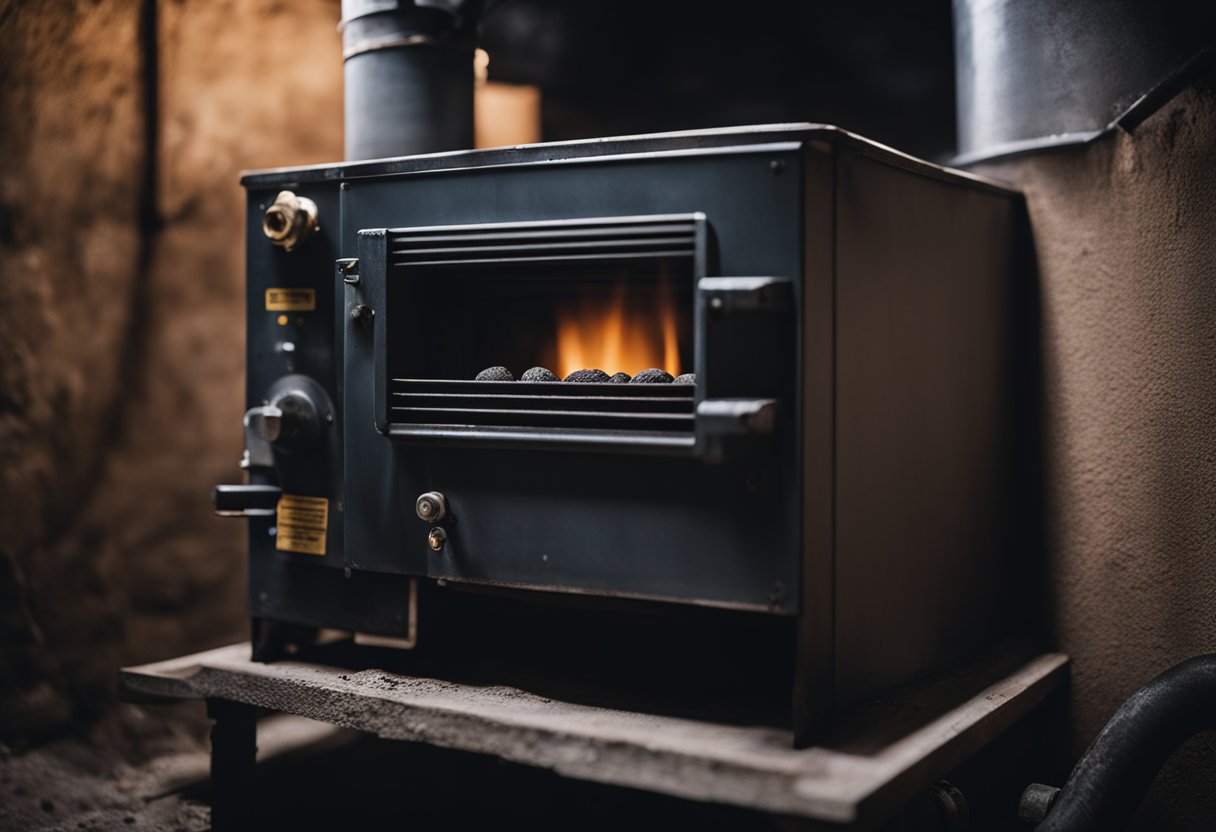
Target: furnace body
x=845, y=469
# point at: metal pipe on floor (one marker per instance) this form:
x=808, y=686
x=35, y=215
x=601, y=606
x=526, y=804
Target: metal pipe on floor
x=1111, y=778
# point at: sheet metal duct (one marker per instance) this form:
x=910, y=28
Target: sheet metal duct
x=1033, y=74
x=409, y=76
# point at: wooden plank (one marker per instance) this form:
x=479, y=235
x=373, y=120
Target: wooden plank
x=881, y=757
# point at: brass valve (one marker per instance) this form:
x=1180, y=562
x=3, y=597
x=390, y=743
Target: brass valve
x=290, y=220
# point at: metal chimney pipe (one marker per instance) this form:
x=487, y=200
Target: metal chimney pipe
x=1036, y=74
x=408, y=76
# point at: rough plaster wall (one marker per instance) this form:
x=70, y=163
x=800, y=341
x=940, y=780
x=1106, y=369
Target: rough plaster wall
x=122, y=322
x=1125, y=232
x=70, y=253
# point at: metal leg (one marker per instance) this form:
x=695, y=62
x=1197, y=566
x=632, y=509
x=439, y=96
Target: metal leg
x=233, y=756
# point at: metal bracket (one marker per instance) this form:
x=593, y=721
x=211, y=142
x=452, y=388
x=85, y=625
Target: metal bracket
x=246, y=500
x=737, y=294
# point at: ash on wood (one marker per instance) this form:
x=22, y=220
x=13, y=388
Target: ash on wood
x=888, y=751
x=685, y=378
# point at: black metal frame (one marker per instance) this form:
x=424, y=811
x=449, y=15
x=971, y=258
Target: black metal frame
x=617, y=416
x=875, y=311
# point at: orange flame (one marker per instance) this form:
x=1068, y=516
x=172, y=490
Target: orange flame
x=619, y=337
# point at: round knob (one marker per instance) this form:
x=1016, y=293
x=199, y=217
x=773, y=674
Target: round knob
x=431, y=507
x=300, y=424
x=266, y=422
x=290, y=420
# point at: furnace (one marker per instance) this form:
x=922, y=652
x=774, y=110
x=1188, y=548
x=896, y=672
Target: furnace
x=834, y=471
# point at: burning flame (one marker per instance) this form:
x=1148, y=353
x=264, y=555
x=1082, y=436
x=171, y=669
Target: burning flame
x=620, y=336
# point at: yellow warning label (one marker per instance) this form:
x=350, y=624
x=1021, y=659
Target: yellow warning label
x=301, y=523
x=291, y=300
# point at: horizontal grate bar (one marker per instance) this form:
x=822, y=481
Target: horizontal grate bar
x=473, y=244
x=605, y=404
x=511, y=404
x=478, y=234
x=543, y=388
x=658, y=442
x=543, y=418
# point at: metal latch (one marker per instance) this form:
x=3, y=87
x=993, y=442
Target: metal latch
x=246, y=500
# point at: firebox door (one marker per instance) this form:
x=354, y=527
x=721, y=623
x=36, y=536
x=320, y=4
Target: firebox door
x=583, y=310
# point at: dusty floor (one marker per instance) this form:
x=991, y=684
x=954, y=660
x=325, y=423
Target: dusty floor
x=147, y=768
x=127, y=771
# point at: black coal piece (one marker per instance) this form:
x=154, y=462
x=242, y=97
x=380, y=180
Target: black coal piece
x=539, y=374
x=494, y=374
x=685, y=378
x=652, y=376
x=621, y=378
x=587, y=376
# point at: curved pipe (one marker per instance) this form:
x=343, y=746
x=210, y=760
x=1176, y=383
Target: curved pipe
x=1108, y=783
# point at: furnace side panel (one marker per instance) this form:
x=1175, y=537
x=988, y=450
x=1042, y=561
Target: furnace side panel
x=815, y=662
x=924, y=404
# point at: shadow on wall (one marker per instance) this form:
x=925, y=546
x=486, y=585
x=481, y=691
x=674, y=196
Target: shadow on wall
x=122, y=322
x=1126, y=257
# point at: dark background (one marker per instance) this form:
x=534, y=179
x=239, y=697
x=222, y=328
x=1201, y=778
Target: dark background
x=883, y=69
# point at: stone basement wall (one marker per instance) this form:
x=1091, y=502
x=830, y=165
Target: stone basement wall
x=122, y=322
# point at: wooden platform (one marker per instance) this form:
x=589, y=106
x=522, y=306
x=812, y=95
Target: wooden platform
x=883, y=754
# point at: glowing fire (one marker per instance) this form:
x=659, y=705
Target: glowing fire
x=621, y=336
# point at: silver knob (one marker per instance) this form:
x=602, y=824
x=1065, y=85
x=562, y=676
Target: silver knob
x=265, y=422
x=431, y=507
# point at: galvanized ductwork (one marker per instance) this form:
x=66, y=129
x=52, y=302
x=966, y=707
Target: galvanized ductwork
x=1033, y=74
x=409, y=76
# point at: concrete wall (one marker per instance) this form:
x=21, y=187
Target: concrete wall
x=121, y=321
x=1125, y=232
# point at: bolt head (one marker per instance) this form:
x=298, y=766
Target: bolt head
x=431, y=507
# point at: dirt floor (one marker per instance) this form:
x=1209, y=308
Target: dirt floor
x=127, y=771
x=147, y=768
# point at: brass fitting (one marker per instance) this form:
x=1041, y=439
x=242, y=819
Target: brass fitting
x=290, y=220
x=437, y=539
